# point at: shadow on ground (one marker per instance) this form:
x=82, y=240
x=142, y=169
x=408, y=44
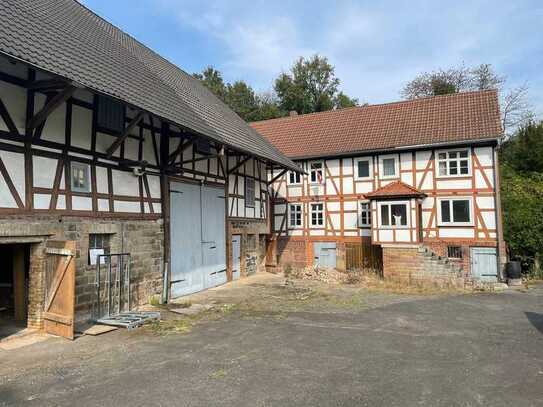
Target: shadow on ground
x=536, y=320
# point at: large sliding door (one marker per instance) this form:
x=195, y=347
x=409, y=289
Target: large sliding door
x=197, y=231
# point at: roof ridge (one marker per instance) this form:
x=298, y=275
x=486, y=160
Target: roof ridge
x=397, y=102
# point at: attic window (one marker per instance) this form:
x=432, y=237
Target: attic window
x=111, y=115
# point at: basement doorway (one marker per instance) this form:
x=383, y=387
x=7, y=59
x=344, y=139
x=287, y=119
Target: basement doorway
x=14, y=283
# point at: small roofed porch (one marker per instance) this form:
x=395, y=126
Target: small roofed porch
x=396, y=211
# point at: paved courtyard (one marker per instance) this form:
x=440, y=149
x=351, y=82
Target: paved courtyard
x=267, y=344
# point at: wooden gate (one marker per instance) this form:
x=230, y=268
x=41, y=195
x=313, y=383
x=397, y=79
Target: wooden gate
x=59, y=309
x=364, y=257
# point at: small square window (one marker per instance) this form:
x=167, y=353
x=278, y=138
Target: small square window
x=363, y=168
x=454, y=252
x=80, y=177
x=250, y=192
x=294, y=178
x=389, y=167
x=99, y=243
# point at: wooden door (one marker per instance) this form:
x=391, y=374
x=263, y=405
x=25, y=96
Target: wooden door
x=59, y=309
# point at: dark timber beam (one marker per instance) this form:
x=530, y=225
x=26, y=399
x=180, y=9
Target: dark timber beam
x=183, y=145
x=235, y=167
x=117, y=143
x=7, y=118
x=50, y=107
x=207, y=157
x=48, y=84
x=277, y=177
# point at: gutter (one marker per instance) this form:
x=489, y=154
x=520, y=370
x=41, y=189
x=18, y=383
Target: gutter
x=488, y=140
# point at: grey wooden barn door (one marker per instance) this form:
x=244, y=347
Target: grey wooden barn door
x=197, y=231
x=484, y=263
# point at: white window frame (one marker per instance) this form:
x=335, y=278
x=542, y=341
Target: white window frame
x=448, y=160
x=452, y=199
x=311, y=215
x=368, y=211
x=296, y=175
x=289, y=211
x=85, y=167
x=370, y=167
x=390, y=203
x=396, y=158
x=311, y=171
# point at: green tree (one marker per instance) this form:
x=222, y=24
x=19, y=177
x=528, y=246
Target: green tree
x=521, y=170
x=310, y=86
x=342, y=101
x=515, y=109
x=213, y=80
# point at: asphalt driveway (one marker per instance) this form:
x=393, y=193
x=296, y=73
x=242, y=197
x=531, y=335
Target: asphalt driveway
x=377, y=350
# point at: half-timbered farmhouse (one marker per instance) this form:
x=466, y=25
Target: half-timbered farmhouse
x=110, y=155
x=409, y=188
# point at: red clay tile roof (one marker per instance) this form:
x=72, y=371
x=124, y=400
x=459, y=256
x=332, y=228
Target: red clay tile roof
x=460, y=117
x=394, y=189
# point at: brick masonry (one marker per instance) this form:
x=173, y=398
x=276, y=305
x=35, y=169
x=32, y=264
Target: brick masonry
x=254, y=244
x=144, y=239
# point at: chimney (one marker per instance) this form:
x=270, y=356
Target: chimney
x=293, y=113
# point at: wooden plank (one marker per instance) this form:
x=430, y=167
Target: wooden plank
x=59, y=310
x=53, y=104
x=19, y=290
x=117, y=143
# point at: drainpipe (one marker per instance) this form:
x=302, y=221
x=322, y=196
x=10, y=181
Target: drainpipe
x=498, y=214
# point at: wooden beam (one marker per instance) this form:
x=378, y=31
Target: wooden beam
x=53, y=104
x=117, y=143
x=7, y=118
x=180, y=149
x=48, y=84
x=207, y=157
x=276, y=177
x=235, y=167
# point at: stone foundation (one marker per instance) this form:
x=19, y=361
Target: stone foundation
x=414, y=264
x=144, y=239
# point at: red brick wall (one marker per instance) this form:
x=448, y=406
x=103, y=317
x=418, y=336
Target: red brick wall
x=440, y=248
x=292, y=252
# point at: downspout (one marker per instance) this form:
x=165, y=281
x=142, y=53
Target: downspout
x=498, y=215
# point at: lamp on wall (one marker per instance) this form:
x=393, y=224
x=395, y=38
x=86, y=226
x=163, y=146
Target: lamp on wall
x=139, y=170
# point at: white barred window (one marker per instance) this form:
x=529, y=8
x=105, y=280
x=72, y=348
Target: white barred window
x=295, y=215
x=317, y=214
x=365, y=214
x=453, y=163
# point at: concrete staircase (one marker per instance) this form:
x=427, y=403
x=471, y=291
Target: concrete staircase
x=439, y=269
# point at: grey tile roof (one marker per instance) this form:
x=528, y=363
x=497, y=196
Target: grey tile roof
x=65, y=38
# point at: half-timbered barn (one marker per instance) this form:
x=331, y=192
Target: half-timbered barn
x=111, y=155
x=407, y=188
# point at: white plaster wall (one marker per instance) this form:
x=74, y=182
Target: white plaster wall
x=81, y=127
x=43, y=171
x=15, y=165
x=81, y=203
x=14, y=97
x=125, y=183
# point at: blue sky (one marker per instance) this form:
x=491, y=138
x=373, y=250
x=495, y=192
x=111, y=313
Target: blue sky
x=376, y=46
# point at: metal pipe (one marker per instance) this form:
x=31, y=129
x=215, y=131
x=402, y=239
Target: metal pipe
x=128, y=278
x=109, y=289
